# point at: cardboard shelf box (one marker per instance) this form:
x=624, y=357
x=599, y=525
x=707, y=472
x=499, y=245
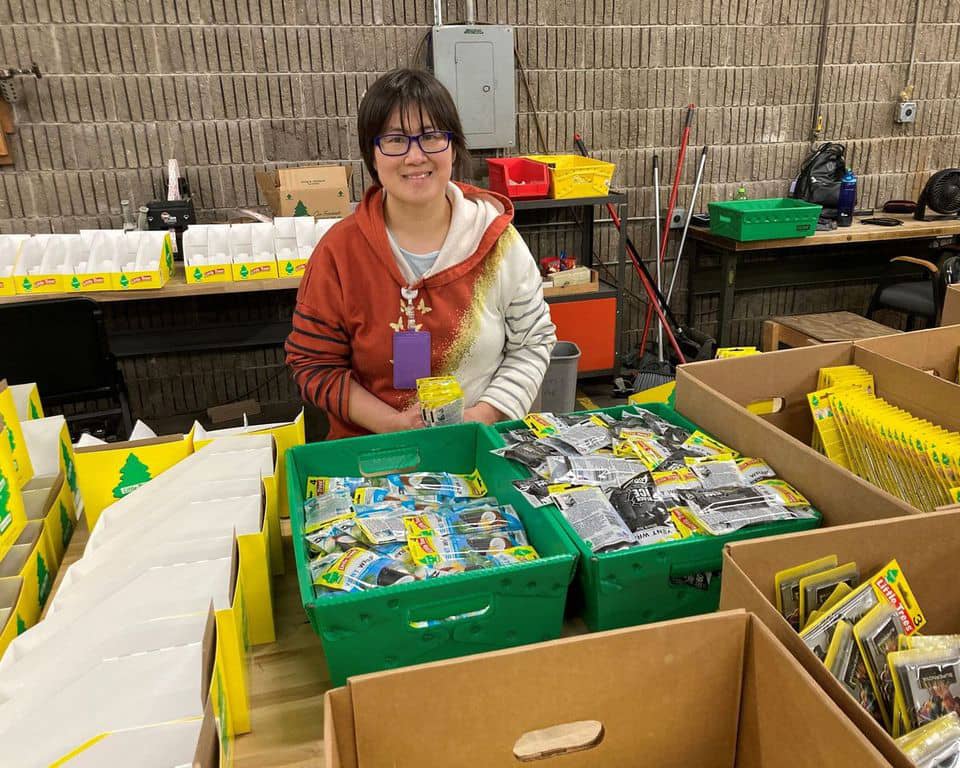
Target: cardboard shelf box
x=321, y=191
x=726, y=693
x=51, y=452
x=12, y=442
x=32, y=560
x=718, y=395
x=935, y=351
x=924, y=545
x=48, y=500
x=9, y=251
x=951, y=306
x=26, y=400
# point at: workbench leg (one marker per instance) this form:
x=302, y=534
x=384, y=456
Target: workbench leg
x=728, y=290
x=770, y=336
x=691, y=271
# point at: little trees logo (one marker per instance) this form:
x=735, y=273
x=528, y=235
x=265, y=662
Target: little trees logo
x=133, y=474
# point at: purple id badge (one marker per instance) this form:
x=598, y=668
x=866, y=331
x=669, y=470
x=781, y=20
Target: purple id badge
x=411, y=358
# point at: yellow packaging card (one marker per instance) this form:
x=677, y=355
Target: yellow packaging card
x=11, y=437
x=703, y=442
x=724, y=353
x=785, y=493
x=817, y=588
x=108, y=473
x=13, y=515
x=787, y=586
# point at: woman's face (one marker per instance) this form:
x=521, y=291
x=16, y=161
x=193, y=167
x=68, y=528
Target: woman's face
x=417, y=178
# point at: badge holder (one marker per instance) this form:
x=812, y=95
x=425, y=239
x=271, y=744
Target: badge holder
x=411, y=349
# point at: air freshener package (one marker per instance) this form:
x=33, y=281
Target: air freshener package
x=927, y=684
x=321, y=511
x=787, y=584
x=935, y=745
x=594, y=519
x=878, y=635
x=816, y=588
x=846, y=663
x=360, y=569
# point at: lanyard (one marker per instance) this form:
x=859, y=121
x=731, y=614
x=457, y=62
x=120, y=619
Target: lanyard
x=409, y=295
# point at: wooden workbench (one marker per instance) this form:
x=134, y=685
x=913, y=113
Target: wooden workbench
x=858, y=253
x=177, y=287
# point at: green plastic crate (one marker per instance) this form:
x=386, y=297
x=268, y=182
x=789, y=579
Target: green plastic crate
x=467, y=613
x=775, y=218
x=636, y=586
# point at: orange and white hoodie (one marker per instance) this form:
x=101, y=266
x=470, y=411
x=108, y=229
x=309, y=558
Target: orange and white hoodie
x=481, y=301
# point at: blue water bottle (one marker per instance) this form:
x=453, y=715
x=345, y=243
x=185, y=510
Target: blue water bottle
x=848, y=199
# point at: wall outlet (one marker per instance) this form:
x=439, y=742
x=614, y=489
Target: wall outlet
x=906, y=112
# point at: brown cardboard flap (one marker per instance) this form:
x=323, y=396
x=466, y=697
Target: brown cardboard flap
x=130, y=444
x=207, y=754
x=923, y=544
x=313, y=177
x=339, y=734
x=694, y=666
x=778, y=696
x=209, y=655
x=840, y=495
x=951, y=306
x=935, y=349
x=10, y=592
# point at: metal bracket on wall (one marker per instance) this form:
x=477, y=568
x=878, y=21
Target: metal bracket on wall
x=9, y=94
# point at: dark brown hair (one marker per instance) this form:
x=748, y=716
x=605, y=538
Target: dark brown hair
x=409, y=90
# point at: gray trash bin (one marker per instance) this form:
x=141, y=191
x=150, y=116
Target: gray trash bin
x=558, y=393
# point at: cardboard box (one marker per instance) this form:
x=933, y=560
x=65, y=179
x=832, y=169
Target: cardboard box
x=321, y=191
x=951, y=306
x=286, y=435
x=31, y=559
x=52, y=505
x=924, y=545
x=26, y=400
x=13, y=516
x=106, y=473
x=9, y=251
x=44, y=262
x=192, y=742
x=935, y=351
x=206, y=253
x=128, y=689
x=146, y=264
x=725, y=694
x=12, y=618
x=253, y=254
x=51, y=452
x=11, y=436
x=718, y=394
x=561, y=288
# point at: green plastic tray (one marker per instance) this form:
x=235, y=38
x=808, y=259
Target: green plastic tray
x=638, y=585
x=467, y=613
x=775, y=218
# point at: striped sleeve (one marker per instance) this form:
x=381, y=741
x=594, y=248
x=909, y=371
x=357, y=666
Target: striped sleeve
x=318, y=347
x=530, y=337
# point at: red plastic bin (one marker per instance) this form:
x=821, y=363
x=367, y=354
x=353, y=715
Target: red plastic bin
x=519, y=178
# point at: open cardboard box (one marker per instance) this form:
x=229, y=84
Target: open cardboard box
x=12, y=442
x=32, y=560
x=45, y=263
x=9, y=251
x=146, y=263
x=206, y=253
x=725, y=694
x=109, y=472
x=95, y=269
x=51, y=452
x=48, y=500
x=951, y=306
x=26, y=399
x=192, y=742
x=717, y=396
x=935, y=351
x=252, y=252
x=128, y=688
x=321, y=191
x=157, y=593
x=925, y=546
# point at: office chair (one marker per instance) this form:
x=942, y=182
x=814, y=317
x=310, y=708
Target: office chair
x=918, y=298
x=61, y=344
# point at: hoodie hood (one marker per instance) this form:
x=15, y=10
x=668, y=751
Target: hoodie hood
x=478, y=218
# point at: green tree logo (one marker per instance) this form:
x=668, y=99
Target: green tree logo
x=289, y=196
x=75, y=283
x=301, y=209
x=66, y=525
x=133, y=474
x=244, y=271
x=43, y=581
x=124, y=282
x=197, y=274
x=34, y=413
x=27, y=285
x=68, y=466
x=289, y=268
x=13, y=448
x=21, y=625
x=5, y=517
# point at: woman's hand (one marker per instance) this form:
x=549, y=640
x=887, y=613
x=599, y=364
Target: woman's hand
x=406, y=419
x=484, y=413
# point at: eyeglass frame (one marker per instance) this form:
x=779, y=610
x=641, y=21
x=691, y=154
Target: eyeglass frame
x=411, y=139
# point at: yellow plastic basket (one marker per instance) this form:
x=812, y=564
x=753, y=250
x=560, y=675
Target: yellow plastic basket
x=575, y=176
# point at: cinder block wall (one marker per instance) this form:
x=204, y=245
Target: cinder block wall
x=232, y=86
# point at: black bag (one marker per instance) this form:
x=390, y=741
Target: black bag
x=820, y=176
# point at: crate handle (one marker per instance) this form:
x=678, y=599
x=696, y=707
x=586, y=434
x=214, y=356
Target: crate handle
x=724, y=219
x=562, y=739
x=447, y=612
x=389, y=461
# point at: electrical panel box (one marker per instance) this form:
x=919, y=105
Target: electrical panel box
x=475, y=63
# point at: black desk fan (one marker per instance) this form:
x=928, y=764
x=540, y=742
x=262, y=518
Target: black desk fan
x=941, y=194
